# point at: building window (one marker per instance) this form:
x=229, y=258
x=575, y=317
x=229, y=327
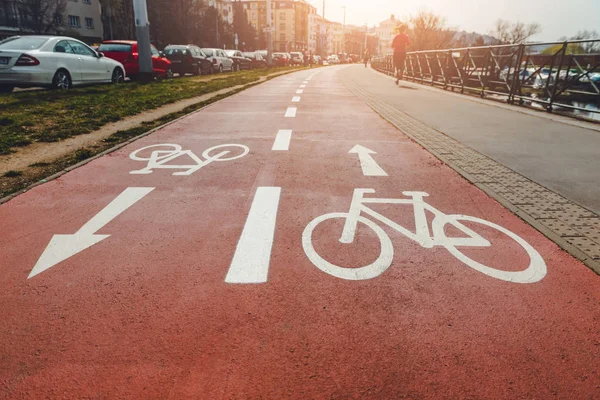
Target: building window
x=282, y=26
x=89, y=23
x=282, y=37
x=86, y=1
x=74, y=21
x=281, y=15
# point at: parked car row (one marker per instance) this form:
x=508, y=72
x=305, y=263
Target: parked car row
x=61, y=62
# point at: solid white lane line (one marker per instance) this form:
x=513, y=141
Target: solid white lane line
x=282, y=140
x=299, y=91
x=291, y=112
x=252, y=256
x=296, y=99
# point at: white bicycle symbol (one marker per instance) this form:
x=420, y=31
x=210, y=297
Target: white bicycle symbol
x=534, y=272
x=159, y=158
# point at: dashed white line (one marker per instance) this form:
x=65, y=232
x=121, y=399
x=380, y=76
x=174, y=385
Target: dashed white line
x=299, y=91
x=302, y=86
x=282, y=140
x=291, y=112
x=296, y=99
x=252, y=256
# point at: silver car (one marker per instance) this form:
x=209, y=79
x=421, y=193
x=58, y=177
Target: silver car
x=53, y=61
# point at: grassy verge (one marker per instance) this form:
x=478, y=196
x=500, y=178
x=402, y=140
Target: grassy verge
x=15, y=181
x=49, y=116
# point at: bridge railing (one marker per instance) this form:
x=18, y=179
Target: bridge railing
x=566, y=74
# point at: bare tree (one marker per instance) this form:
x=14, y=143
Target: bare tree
x=588, y=47
x=429, y=32
x=122, y=19
x=514, y=33
x=41, y=16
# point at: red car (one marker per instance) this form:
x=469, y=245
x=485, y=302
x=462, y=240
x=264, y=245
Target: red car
x=126, y=52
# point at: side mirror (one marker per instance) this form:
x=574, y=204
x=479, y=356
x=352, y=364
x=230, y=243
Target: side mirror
x=100, y=54
x=161, y=54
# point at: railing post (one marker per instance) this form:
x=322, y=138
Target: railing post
x=516, y=83
x=561, y=56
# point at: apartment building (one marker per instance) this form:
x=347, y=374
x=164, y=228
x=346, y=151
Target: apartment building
x=224, y=8
x=81, y=19
x=289, y=20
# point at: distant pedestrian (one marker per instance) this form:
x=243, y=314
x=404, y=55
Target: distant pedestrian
x=400, y=43
x=366, y=57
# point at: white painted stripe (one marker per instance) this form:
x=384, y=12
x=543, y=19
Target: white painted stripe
x=282, y=140
x=302, y=86
x=291, y=112
x=299, y=91
x=252, y=256
x=305, y=83
x=296, y=99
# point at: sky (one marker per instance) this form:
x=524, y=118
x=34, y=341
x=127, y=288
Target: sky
x=557, y=18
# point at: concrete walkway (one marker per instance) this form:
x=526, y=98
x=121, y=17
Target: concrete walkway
x=560, y=156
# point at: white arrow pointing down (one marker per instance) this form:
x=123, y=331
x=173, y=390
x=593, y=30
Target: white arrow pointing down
x=62, y=247
x=367, y=163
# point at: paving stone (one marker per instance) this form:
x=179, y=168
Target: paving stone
x=537, y=212
x=482, y=178
x=586, y=245
x=498, y=187
x=560, y=227
x=516, y=198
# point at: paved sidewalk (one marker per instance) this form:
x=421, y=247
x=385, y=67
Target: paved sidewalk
x=539, y=168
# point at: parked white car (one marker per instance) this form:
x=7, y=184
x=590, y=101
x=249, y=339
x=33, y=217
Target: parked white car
x=333, y=59
x=297, y=58
x=220, y=60
x=57, y=62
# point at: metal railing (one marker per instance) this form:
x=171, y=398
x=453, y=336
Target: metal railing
x=556, y=78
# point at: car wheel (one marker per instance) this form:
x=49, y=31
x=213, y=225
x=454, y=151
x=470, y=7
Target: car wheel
x=6, y=88
x=169, y=74
x=61, y=80
x=118, y=76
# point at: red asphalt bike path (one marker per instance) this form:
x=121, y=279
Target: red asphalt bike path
x=147, y=311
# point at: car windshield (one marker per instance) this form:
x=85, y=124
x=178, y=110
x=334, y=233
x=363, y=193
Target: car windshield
x=208, y=52
x=115, y=48
x=23, y=43
x=230, y=53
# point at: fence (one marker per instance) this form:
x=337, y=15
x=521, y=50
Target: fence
x=514, y=73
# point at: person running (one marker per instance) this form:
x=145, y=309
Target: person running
x=366, y=57
x=401, y=41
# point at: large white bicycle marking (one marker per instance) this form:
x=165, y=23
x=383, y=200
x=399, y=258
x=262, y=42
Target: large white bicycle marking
x=533, y=273
x=158, y=159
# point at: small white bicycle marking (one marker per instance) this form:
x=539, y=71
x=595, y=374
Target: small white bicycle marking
x=533, y=273
x=158, y=159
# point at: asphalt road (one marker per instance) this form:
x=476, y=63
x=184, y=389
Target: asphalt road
x=236, y=259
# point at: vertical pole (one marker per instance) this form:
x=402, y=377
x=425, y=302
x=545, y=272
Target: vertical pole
x=323, y=9
x=269, y=36
x=142, y=32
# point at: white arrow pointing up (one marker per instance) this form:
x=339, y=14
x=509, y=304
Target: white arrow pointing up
x=367, y=163
x=62, y=247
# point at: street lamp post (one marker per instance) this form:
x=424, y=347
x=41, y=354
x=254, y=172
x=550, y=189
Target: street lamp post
x=269, y=37
x=142, y=32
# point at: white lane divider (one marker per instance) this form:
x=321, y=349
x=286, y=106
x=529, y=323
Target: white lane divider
x=252, y=256
x=296, y=99
x=302, y=86
x=291, y=112
x=282, y=140
x=299, y=91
